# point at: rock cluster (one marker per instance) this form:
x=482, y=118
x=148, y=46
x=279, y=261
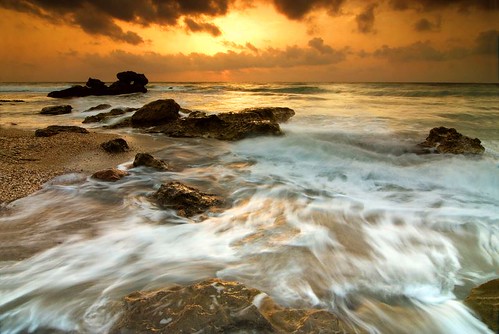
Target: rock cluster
x=187, y=201
x=56, y=110
x=484, y=300
x=216, y=306
x=52, y=130
x=448, y=140
x=128, y=82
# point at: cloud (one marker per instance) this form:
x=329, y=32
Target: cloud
x=98, y=16
x=430, y=5
x=426, y=25
x=202, y=26
x=365, y=20
x=418, y=51
x=298, y=9
x=318, y=44
x=487, y=43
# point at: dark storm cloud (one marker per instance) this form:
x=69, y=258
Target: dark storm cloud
x=365, y=20
x=196, y=26
x=298, y=9
x=426, y=25
x=97, y=16
x=429, y=5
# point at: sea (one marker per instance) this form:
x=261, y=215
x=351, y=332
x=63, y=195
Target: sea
x=339, y=213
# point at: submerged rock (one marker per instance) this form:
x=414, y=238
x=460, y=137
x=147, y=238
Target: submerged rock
x=484, y=300
x=145, y=159
x=156, y=113
x=98, y=107
x=110, y=175
x=56, y=110
x=103, y=116
x=187, y=201
x=271, y=114
x=55, y=129
x=216, y=306
x=118, y=145
x=448, y=140
x=128, y=82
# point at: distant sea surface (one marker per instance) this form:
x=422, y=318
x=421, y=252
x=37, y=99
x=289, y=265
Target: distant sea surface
x=338, y=213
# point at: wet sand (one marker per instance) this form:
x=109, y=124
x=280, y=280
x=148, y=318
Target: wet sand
x=27, y=162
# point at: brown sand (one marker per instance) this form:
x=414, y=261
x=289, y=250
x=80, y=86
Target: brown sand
x=26, y=161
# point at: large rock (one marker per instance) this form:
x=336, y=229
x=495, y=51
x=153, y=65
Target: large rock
x=55, y=129
x=118, y=145
x=128, y=82
x=187, y=201
x=272, y=114
x=448, y=140
x=145, y=159
x=484, y=300
x=156, y=113
x=110, y=175
x=216, y=306
x=56, y=110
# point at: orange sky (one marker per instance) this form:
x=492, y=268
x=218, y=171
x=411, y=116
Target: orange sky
x=250, y=40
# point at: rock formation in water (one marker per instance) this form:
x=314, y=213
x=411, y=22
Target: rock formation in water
x=56, y=110
x=156, y=113
x=110, y=175
x=448, y=140
x=147, y=160
x=52, y=130
x=128, y=82
x=187, y=201
x=106, y=115
x=101, y=106
x=216, y=306
x=484, y=300
x=118, y=145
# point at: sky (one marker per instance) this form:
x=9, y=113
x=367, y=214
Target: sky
x=251, y=40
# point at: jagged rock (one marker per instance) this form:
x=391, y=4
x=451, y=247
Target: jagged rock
x=130, y=82
x=484, y=300
x=103, y=116
x=272, y=114
x=216, y=306
x=99, y=107
x=110, y=175
x=145, y=159
x=448, y=140
x=56, y=110
x=186, y=200
x=197, y=114
x=156, y=113
x=55, y=129
x=118, y=145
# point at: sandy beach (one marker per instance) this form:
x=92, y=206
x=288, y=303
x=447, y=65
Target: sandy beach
x=27, y=162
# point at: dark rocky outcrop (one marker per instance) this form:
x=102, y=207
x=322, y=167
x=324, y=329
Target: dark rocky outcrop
x=156, y=113
x=187, y=201
x=110, y=175
x=216, y=306
x=104, y=115
x=55, y=129
x=128, y=82
x=484, y=300
x=98, y=107
x=56, y=110
x=118, y=145
x=448, y=140
x=145, y=159
x=271, y=114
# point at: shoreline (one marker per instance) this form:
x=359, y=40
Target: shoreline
x=27, y=162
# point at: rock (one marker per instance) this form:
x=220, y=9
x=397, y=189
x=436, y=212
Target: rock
x=55, y=129
x=156, y=113
x=186, y=200
x=110, y=175
x=216, y=306
x=118, y=145
x=99, y=107
x=197, y=114
x=56, y=110
x=124, y=123
x=103, y=116
x=272, y=114
x=145, y=159
x=448, y=140
x=128, y=82
x=484, y=300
